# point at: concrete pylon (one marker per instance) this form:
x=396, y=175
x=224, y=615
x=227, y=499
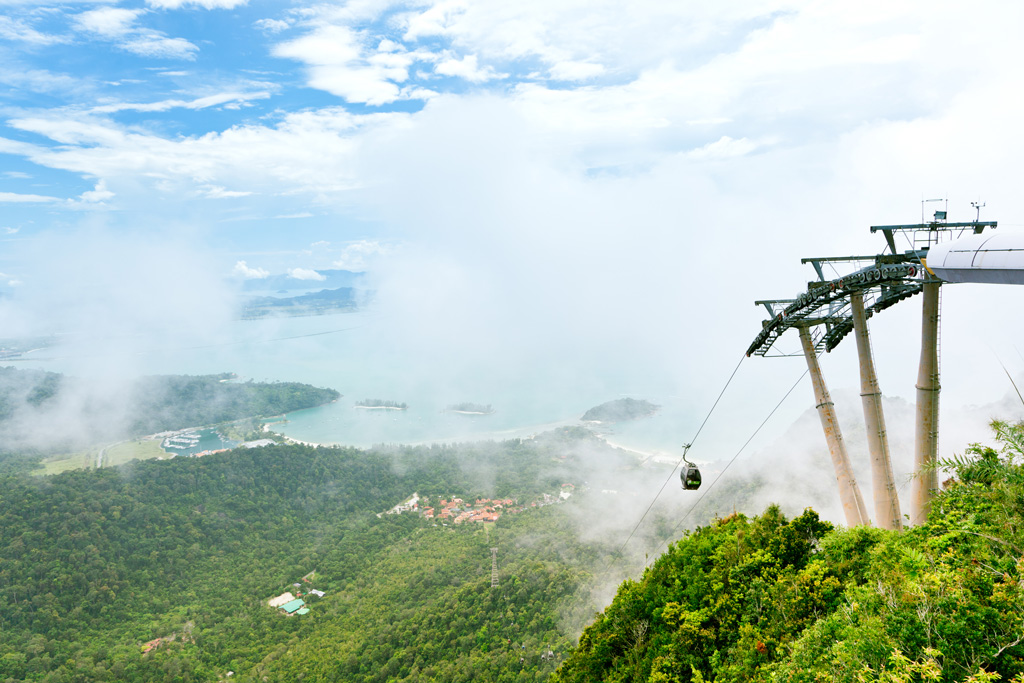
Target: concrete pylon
x=926, y=436
x=849, y=493
x=883, y=484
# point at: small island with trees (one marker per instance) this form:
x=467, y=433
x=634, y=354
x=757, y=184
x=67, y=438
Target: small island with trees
x=620, y=410
x=380, y=404
x=470, y=409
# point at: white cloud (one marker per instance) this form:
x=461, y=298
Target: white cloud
x=438, y=19
x=310, y=153
x=118, y=25
x=305, y=274
x=17, y=30
x=11, y=231
x=16, y=175
x=219, y=99
x=14, y=198
x=216, y=192
x=339, y=62
x=156, y=45
x=468, y=69
x=99, y=194
x=271, y=25
x=241, y=269
x=39, y=80
x=630, y=36
x=575, y=71
x=764, y=85
x=724, y=148
x=805, y=117
x=205, y=4
x=356, y=255
x=108, y=22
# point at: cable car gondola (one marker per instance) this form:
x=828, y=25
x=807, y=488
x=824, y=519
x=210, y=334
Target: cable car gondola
x=689, y=475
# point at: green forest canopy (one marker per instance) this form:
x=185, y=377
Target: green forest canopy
x=771, y=599
x=93, y=564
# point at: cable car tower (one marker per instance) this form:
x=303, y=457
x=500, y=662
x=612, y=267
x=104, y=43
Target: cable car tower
x=829, y=310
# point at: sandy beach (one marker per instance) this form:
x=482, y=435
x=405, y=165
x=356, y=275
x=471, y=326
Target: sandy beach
x=659, y=457
x=299, y=441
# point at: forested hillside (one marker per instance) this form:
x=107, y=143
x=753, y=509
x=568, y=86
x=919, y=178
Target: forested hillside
x=770, y=599
x=161, y=571
x=45, y=411
x=175, y=401
x=95, y=564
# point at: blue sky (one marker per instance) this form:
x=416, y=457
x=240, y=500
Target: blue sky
x=222, y=112
x=560, y=159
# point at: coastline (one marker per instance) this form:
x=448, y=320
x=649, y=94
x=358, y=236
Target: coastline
x=380, y=407
x=300, y=442
x=644, y=456
x=526, y=432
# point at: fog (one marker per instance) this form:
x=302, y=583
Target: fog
x=589, y=214
x=597, y=222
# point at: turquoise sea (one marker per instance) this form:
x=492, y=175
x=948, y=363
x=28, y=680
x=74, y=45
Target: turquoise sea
x=352, y=353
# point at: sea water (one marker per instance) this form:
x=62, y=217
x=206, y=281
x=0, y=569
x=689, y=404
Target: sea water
x=352, y=353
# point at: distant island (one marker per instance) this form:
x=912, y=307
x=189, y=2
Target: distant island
x=620, y=410
x=315, y=303
x=11, y=349
x=380, y=404
x=470, y=409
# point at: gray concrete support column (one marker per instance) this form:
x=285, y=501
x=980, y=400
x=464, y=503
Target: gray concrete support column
x=883, y=484
x=849, y=494
x=926, y=437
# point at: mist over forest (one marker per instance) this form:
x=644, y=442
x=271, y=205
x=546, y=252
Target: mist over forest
x=365, y=341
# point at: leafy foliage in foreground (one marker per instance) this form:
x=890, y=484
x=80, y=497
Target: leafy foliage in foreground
x=766, y=599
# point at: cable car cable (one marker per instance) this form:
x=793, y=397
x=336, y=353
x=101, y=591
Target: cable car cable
x=729, y=464
x=672, y=473
x=1008, y=375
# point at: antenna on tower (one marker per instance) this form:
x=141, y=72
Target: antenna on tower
x=978, y=206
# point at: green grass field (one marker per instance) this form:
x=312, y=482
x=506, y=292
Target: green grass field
x=117, y=454
x=142, y=449
x=68, y=461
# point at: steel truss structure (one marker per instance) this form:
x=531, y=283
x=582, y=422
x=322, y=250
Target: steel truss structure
x=884, y=279
x=828, y=311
